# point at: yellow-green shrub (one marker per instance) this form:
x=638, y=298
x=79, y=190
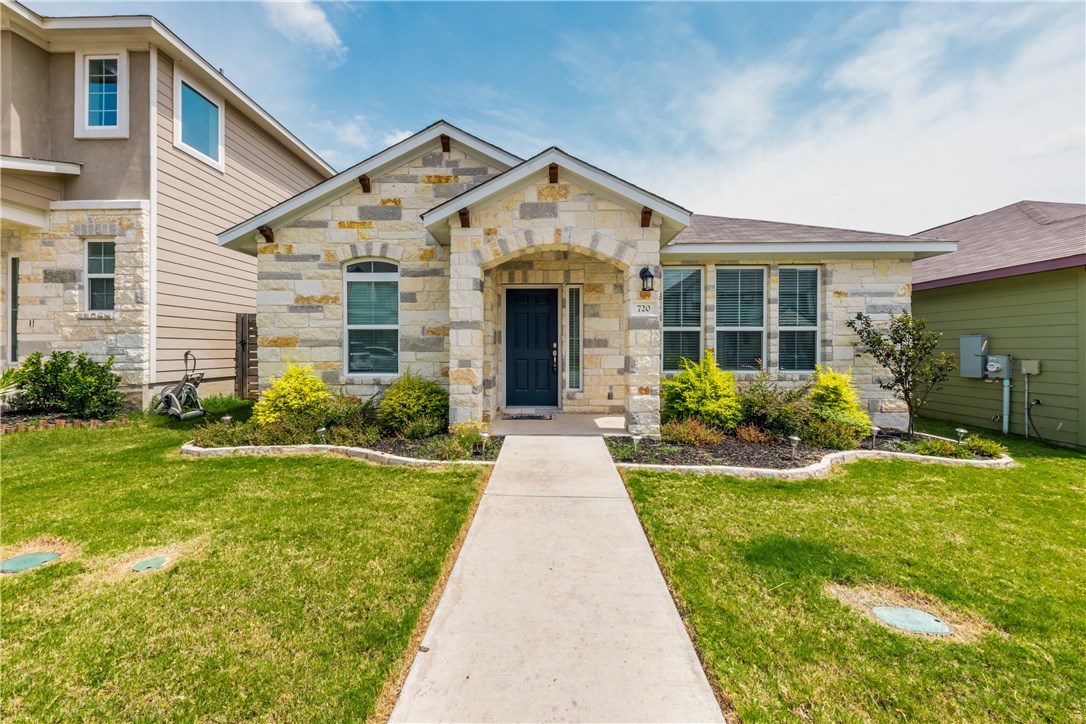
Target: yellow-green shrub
x=833, y=396
x=412, y=398
x=297, y=392
x=702, y=391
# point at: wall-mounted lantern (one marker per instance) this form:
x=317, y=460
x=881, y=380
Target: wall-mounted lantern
x=646, y=279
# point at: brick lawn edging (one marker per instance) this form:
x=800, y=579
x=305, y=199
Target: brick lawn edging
x=6, y=429
x=819, y=469
x=372, y=456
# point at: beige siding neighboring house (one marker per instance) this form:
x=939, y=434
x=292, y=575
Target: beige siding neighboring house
x=111, y=203
x=550, y=284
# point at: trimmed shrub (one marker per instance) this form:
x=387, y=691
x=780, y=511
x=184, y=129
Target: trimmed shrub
x=830, y=430
x=690, y=432
x=833, y=396
x=777, y=410
x=296, y=393
x=702, y=391
x=65, y=382
x=985, y=447
x=411, y=398
x=750, y=433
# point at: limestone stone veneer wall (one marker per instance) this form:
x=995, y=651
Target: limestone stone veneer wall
x=300, y=287
x=53, y=296
x=877, y=287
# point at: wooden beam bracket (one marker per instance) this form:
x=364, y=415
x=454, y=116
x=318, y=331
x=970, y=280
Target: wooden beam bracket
x=552, y=172
x=465, y=219
x=646, y=217
x=267, y=233
x=446, y=143
x=364, y=182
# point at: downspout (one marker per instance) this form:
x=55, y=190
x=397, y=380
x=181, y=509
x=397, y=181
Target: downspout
x=1025, y=408
x=1006, y=405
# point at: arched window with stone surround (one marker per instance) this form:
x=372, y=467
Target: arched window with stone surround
x=372, y=317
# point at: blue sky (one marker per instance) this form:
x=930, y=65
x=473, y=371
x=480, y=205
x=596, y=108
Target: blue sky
x=885, y=116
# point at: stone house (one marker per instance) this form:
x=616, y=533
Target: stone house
x=548, y=283
x=123, y=153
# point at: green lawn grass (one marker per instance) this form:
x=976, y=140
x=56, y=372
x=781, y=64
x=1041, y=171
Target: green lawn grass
x=295, y=586
x=749, y=560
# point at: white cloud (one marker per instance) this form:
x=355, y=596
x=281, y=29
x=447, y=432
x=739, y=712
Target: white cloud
x=305, y=21
x=395, y=137
x=951, y=111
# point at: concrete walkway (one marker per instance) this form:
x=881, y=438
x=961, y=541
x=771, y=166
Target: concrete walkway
x=555, y=609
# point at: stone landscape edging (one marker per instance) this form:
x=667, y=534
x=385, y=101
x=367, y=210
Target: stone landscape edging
x=372, y=456
x=819, y=469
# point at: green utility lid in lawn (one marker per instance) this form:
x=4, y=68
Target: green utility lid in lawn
x=911, y=619
x=149, y=564
x=26, y=561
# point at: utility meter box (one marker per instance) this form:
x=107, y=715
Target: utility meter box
x=998, y=367
x=973, y=354
x=1031, y=366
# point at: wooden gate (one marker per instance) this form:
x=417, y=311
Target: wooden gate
x=245, y=364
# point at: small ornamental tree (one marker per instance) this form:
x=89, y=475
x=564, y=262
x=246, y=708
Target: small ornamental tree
x=906, y=348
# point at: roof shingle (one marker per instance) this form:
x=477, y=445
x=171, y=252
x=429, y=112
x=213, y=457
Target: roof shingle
x=723, y=230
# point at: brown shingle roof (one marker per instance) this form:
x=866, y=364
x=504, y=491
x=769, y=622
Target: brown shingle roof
x=723, y=230
x=1019, y=235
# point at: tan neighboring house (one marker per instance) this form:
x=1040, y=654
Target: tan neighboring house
x=550, y=284
x=123, y=154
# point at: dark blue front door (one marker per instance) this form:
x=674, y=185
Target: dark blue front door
x=531, y=328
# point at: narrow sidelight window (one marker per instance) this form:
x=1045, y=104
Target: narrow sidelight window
x=740, y=318
x=682, y=316
x=101, y=271
x=373, y=318
x=573, y=364
x=798, y=318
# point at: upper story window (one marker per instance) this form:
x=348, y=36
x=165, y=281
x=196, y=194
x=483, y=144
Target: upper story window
x=682, y=316
x=373, y=317
x=198, y=121
x=101, y=95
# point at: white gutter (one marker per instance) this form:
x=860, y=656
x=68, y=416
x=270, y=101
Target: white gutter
x=34, y=165
x=814, y=248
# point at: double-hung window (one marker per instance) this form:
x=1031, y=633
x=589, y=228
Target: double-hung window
x=198, y=118
x=373, y=318
x=682, y=316
x=101, y=270
x=101, y=95
x=740, y=318
x=797, y=290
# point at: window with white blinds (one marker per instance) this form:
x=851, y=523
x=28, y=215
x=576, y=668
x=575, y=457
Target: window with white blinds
x=740, y=318
x=574, y=338
x=798, y=318
x=682, y=316
x=373, y=318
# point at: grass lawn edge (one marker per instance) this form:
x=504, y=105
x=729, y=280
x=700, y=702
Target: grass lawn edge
x=390, y=693
x=373, y=456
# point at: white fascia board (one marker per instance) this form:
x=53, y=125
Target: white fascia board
x=100, y=204
x=828, y=249
x=609, y=186
x=40, y=166
x=241, y=237
x=19, y=214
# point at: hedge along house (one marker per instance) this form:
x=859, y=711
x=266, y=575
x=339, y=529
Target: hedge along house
x=1018, y=278
x=548, y=283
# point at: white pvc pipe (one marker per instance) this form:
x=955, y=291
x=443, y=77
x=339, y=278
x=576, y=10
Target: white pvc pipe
x=1025, y=408
x=1006, y=406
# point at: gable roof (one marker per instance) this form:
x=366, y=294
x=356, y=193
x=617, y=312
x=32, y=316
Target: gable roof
x=65, y=34
x=675, y=217
x=1022, y=238
x=241, y=236
x=720, y=237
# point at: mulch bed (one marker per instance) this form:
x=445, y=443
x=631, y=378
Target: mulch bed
x=417, y=448
x=776, y=455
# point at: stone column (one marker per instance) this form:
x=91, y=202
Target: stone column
x=465, y=326
x=643, y=340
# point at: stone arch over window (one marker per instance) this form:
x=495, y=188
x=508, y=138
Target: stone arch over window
x=369, y=250
x=371, y=318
